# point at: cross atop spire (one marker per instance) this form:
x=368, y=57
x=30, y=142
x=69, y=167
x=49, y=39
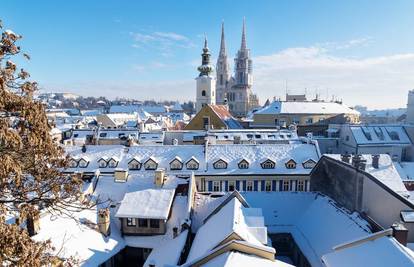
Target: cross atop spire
x=223, y=51
x=243, y=42
x=205, y=43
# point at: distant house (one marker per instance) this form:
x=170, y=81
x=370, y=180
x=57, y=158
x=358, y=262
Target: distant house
x=145, y=212
x=213, y=117
x=375, y=139
x=285, y=113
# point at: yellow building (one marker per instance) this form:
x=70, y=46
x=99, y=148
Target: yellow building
x=285, y=113
x=213, y=117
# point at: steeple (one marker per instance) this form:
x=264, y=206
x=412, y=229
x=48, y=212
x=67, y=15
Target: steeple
x=223, y=51
x=205, y=69
x=243, y=42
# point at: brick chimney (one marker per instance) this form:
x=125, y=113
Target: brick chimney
x=375, y=161
x=33, y=224
x=104, y=221
x=400, y=233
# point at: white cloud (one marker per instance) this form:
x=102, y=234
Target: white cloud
x=377, y=82
x=163, y=42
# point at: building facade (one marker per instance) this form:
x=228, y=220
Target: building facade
x=206, y=83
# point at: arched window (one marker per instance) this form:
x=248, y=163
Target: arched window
x=203, y=93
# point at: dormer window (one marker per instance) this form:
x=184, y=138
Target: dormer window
x=150, y=164
x=83, y=163
x=243, y=164
x=291, y=164
x=192, y=164
x=309, y=164
x=220, y=164
x=134, y=164
x=102, y=163
x=73, y=163
x=113, y=163
x=176, y=164
x=268, y=164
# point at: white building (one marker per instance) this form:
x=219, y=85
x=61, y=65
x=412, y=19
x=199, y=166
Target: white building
x=206, y=83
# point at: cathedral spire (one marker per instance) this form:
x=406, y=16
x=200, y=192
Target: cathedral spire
x=243, y=42
x=223, y=51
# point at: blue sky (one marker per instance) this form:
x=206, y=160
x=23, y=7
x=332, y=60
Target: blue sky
x=358, y=51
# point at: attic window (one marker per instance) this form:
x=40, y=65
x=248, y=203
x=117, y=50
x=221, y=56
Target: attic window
x=192, y=165
x=220, y=164
x=134, y=165
x=176, y=164
x=112, y=163
x=150, y=164
x=102, y=163
x=394, y=135
x=73, y=163
x=243, y=164
x=83, y=163
x=268, y=164
x=291, y=164
x=309, y=164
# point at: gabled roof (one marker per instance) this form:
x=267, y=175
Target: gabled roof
x=224, y=114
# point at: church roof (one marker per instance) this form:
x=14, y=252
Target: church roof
x=224, y=114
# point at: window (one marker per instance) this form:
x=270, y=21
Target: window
x=83, y=163
x=154, y=223
x=309, y=164
x=142, y=222
x=220, y=164
x=296, y=120
x=291, y=164
x=309, y=120
x=249, y=186
x=102, y=134
x=243, y=164
x=73, y=163
x=286, y=186
x=206, y=122
x=134, y=165
x=268, y=164
x=221, y=79
x=203, y=93
x=268, y=185
x=150, y=165
x=301, y=185
x=102, y=163
x=112, y=163
x=232, y=185
x=176, y=165
x=216, y=186
x=347, y=138
x=131, y=222
x=192, y=164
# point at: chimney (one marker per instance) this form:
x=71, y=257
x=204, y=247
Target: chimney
x=159, y=177
x=355, y=160
x=346, y=158
x=33, y=224
x=375, y=161
x=400, y=233
x=104, y=221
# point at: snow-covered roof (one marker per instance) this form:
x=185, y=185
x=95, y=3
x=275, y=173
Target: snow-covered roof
x=387, y=172
x=80, y=238
x=380, y=134
x=149, y=203
x=256, y=154
x=293, y=107
x=406, y=170
x=234, y=258
x=316, y=223
x=381, y=252
x=232, y=218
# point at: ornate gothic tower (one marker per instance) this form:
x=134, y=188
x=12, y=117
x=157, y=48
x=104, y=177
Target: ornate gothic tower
x=240, y=95
x=222, y=71
x=206, y=83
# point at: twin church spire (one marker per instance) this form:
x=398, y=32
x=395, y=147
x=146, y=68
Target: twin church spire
x=235, y=90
